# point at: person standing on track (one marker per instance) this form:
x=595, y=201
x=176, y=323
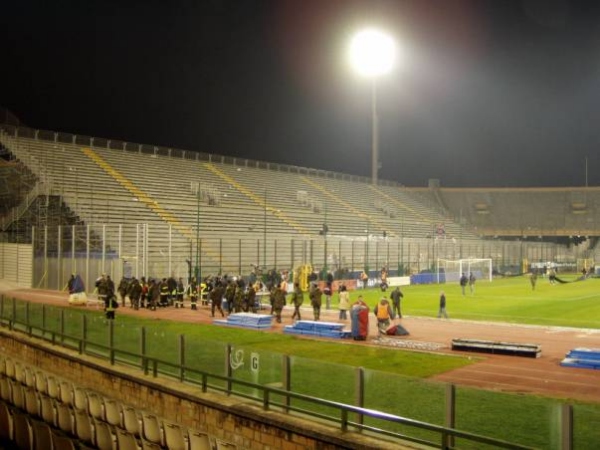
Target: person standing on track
x=344, y=302
x=442, y=310
x=463, y=283
x=396, y=295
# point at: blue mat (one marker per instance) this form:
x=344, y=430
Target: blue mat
x=321, y=329
x=246, y=320
x=584, y=358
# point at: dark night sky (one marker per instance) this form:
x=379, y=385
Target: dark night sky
x=486, y=92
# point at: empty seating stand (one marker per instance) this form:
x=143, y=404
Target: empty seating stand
x=76, y=418
x=322, y=329
x=247, y=320
x=497, y=347
x=584, y=358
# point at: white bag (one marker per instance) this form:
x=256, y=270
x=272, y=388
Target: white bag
x=78, y=298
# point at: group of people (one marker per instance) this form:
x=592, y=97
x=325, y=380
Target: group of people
x=384, y=313
x=228, y=295
x=470, y=281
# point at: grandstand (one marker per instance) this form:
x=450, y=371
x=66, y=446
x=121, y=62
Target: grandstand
x=157, y=211
x=556, y=213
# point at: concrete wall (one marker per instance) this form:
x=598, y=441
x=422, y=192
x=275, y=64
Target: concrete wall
x=231, y=419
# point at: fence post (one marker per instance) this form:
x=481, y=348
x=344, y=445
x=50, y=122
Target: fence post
x=143, y=350
x=448, y=440
x=228, y=370
x=62, y=326
x=43, y=321
x=83, y=333
x=27, y=326
x=360, y=393
x=181, y=357
x=239, y=256
x=111, y=342
x=566, y=427
x=11, y=324
x=286, y=375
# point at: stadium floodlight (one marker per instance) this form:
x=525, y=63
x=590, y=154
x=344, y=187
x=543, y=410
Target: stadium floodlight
x=373, y=54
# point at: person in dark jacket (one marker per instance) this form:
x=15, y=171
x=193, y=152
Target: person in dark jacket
x=216, y=299
x=135, y=292
x=278, y=302
x=316, y=301
x=110, y=304
x=442, y=311
x=297, y=300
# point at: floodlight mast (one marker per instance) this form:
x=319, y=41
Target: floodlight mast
x=372, y=54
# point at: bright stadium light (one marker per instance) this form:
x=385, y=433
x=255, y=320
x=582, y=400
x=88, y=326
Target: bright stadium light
x=372, y=54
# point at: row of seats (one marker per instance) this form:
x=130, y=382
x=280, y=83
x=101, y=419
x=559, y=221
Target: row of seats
x=20, y=430
x=37, y=404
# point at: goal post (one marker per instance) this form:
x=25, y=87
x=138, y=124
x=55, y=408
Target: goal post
x=450, y=270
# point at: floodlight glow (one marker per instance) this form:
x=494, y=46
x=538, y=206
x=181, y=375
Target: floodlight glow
x=372, y=52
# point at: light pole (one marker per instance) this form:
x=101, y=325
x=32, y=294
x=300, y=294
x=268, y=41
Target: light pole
x=372, y=54
x=197, y=268
x=324, y=231
x=265, y=231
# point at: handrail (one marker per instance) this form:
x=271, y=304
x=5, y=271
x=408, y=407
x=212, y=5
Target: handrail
x=60, y=338
x=17, y=212
x=68, y=138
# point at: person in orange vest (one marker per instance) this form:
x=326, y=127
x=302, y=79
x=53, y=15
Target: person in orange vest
x=383, y=312
x=364, y=277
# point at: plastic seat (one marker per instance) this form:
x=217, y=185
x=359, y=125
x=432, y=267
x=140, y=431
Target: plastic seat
x=32, y=402
x=9, y=368
x=64, y=417
x=126, y=441
x=18, y=397
x=84, y=429
x=199, y=440
x=22, y=431
x=42, y=436
x=147, y=445
x=175, y=436
x=151, y=429
x=5, y=390
x=29, y=377
x=53, y=387
x=6, y=423
x=41, y=385
x=61, y=442
x=95, y=408
x=19, y=375
x=47, y=410
x=222, y=445
x=131, y=420
x=112, y=412
x=104, y=436
x=80, y=400
x=66, y=392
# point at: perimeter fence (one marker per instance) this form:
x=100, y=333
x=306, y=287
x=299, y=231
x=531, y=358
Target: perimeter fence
x=158, y=251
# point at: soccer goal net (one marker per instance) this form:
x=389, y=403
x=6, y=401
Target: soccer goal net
x=450, y=270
